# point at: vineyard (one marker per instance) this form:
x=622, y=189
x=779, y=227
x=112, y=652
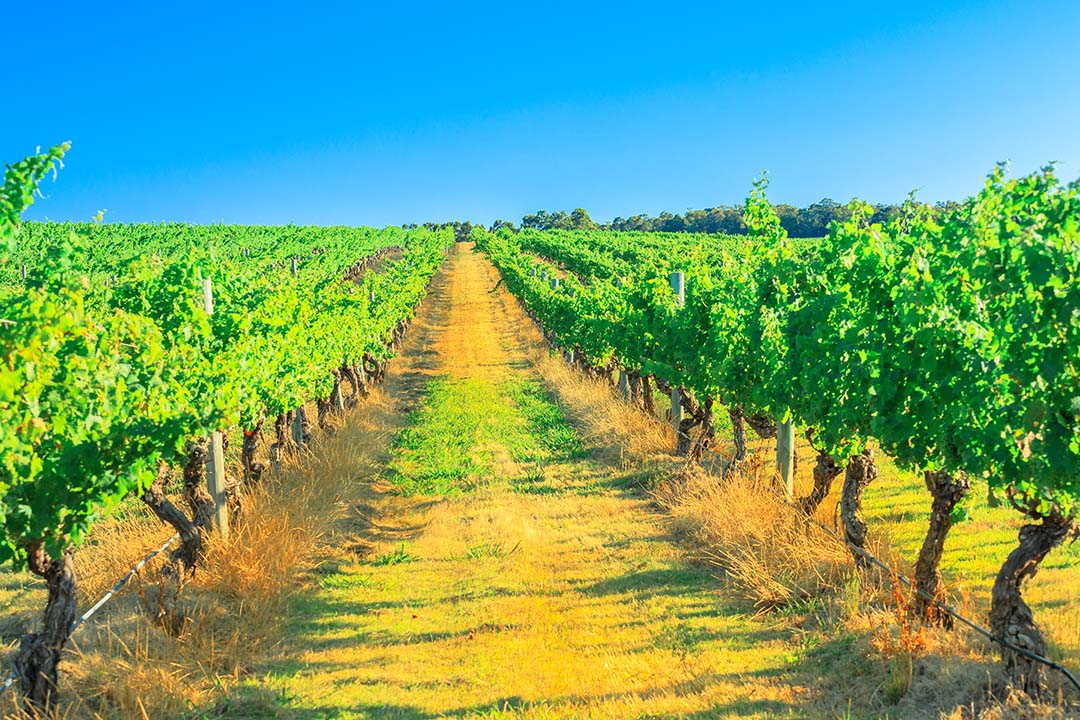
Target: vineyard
x=129, y=352
x=517, y=493
x=949, y=343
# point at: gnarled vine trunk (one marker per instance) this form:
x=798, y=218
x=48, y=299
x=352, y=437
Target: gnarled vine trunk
x=253, y=469
x=861, y=471
x=191, y=541
x=708, y=432
x=763, y=425
x=825, y=471
x=647, y=402
x=692, y=417
x=323, y=407
x=948, y=490
x=306, y=427
x=611, y=373
x=354, y=384
x=1010, y=617
x=373, y=369
x=39, y=653
x=181, y=562
x=633, y=379
x=337, y=398
x=738, y=432
x=282, y=439
x=195, y=492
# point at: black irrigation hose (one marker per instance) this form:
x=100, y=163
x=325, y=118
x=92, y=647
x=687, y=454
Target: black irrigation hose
x=952, y=612
x=97, y=606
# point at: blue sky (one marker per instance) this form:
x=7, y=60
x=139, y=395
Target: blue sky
x=322, y=112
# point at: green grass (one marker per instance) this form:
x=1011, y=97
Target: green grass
x=548, y=433
x=468, y=429
x=395, y=557
x=434, y=454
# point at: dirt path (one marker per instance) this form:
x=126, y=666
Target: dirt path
x=504, y=569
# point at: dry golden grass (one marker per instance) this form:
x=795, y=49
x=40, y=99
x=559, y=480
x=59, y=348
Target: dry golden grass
x=771, y=555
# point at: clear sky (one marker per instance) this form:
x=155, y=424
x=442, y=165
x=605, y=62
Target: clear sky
x=383, y=113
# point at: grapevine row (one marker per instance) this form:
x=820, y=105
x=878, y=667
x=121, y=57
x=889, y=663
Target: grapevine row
x=106, y=384
x=949, y=341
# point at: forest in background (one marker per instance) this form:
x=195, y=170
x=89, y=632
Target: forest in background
x=811, y=221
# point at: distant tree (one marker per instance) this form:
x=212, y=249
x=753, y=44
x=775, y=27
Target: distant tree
x=884, y=213
x=948, y=206
x=462, y=231
x=641, y=223
x=544, y=220
x=537, y=221
x=789, y=218
x=580, y=220
x=670, y=223
x=816, y=219
x=561, y=221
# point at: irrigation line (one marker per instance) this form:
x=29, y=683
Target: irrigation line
x=123, y=581
x=948, y=609
x=97, y=606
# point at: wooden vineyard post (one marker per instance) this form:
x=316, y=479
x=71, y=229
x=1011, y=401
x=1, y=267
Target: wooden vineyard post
x=624, y=384
x=371, y=296
x=24, y=272
x=215, y=461
x=292, y=264
x=534, y=272
x=678, y=284
x=785, y=457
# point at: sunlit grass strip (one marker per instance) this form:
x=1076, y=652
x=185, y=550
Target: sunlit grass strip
x=457, y=439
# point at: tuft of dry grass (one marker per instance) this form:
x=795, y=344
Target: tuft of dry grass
x=1013, y=706
x=769, y=552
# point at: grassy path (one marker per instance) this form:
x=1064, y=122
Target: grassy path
x=500, y=566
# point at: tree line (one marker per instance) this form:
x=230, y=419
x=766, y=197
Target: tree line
x=811, y=221
x=808, y=222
